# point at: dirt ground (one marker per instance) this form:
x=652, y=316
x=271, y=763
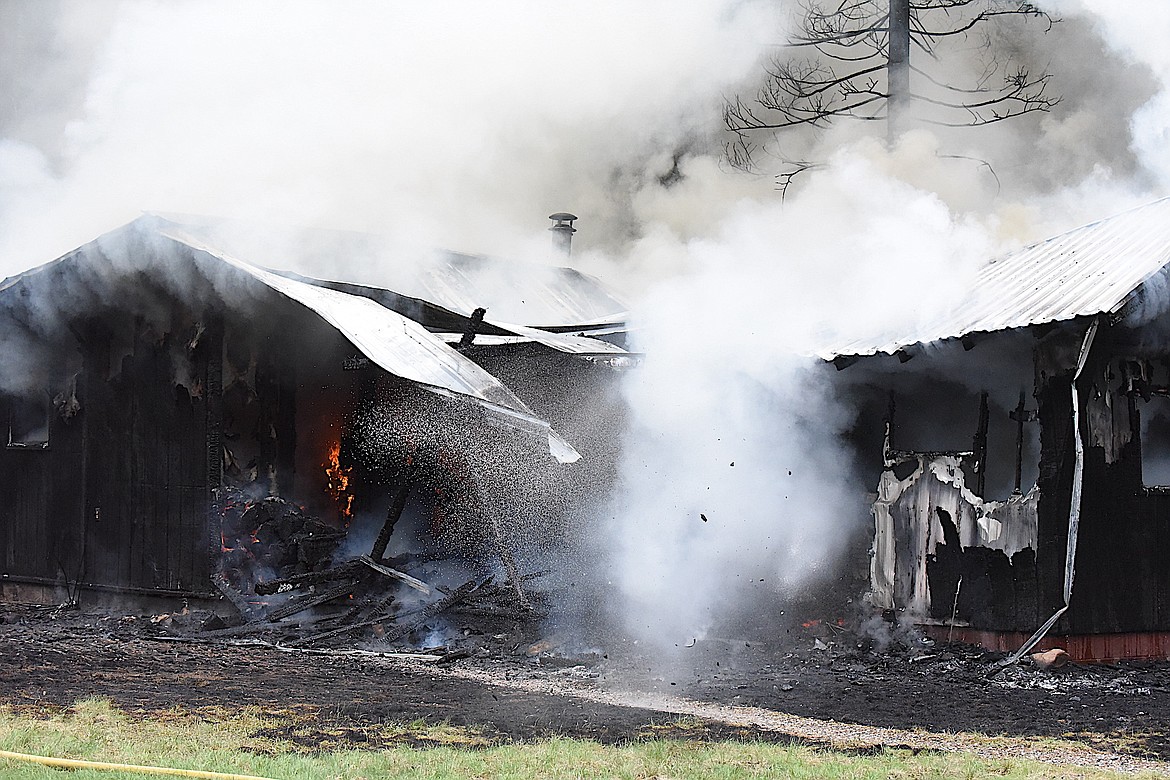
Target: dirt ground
x=820, y=684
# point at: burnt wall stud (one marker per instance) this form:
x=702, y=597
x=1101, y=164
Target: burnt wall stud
x=980, y=446
x=1021, y=416
x=214, y=394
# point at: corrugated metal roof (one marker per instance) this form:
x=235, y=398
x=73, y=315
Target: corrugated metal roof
x=394, y=342
x=1091, y=270
x=527, y=293
x=442, y=320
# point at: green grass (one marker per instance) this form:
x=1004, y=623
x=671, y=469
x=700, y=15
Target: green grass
x=288, y=745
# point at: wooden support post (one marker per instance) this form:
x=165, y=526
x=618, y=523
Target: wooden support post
x=1021, y=416
x=509, y=562
x=980, y=447
x=392, y=514
x=1019, y=444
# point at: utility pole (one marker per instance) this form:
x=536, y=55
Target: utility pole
x=897, y=69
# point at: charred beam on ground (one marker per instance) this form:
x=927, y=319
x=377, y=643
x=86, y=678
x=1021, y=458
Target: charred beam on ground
x=347, y=569
x=310, y=601
x=428, y=612
x=402, y=577
x=246, y=609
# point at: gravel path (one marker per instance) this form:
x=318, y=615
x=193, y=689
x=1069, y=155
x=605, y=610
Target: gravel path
x=832, y=733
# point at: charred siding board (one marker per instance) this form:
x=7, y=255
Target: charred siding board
x=66, y=505
x=147, y=458
x=1054, y=481
x=1114, y=590
x=35, y=485
x=1156, y=516
x=1121, y=582
x=24, y=493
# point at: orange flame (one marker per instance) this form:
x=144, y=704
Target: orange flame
x=337, y=481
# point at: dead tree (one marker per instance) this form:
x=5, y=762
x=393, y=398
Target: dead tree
x=852, y=60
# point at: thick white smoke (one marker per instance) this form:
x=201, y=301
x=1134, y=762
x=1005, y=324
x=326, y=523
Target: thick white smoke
x=870, y=244
x=463, y=124
x=458, y=124
x=736, y=484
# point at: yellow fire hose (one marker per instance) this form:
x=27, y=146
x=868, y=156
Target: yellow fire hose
x=69, y=763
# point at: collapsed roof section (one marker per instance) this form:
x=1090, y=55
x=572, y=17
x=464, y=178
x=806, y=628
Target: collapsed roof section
x=1095, y=269
x=391, y=340
x=551, y=298
x=399, y=345
x=451, y=325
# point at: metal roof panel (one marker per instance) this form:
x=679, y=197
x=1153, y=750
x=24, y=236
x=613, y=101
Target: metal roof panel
x=1090, y=270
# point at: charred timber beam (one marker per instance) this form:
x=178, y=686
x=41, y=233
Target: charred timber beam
x=246, y=609
x=343, y=630
x=308, y=602
x=402, y=577
x=392, y=515
x=428, y=612
x=128, y=590
x=347, y=569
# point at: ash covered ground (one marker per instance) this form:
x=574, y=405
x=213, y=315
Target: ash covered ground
x=518, y=678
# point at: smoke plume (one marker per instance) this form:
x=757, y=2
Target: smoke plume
x=462, y=125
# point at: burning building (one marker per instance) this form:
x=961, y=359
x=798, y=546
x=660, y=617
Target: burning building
x=1024, y=482
x=158, y=388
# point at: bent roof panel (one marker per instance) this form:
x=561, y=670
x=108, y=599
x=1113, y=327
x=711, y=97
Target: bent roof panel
x=431, y=314
x=526, y=293
x=1091, y=270
x=396, y=343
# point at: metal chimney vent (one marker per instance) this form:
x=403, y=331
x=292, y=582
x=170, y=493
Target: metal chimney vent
x=563, y=231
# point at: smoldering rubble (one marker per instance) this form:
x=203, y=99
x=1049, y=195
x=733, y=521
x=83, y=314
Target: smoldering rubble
x=329, y=459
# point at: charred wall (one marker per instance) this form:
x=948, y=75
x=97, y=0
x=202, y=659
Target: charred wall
x=157, y=391
x=582, y=400
x=950, y=427
x=1121, y=583
x=146, y=457
x=115, y=494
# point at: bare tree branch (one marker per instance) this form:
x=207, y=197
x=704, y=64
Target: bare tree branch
x=841, y=69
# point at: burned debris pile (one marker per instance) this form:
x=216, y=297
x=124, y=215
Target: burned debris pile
x=271, y=535
x=289, y=581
